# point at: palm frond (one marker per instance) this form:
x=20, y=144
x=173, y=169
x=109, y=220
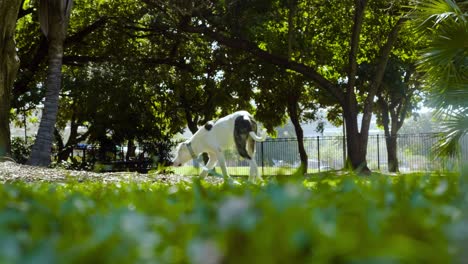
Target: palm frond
x=456, y=126
x=448, y=100
x=430, y=13
x=444, y=24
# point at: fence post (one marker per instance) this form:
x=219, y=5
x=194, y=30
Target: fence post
x=378, y=153
x=261, y=154
x=344, y=143
x=318, y=152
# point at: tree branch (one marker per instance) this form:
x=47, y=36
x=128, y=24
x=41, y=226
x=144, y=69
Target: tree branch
x=253, y=49
x=354, y=46
x=80, y=35
x=378, y=76
x=30, y=69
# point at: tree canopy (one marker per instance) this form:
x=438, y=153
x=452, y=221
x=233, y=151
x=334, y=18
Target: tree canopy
x=180, y=64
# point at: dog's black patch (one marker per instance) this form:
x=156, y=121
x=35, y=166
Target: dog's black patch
x=209, y=125
x=250, y=141
x=242, y=128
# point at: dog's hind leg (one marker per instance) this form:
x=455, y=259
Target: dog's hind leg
x=222, y=163
x=253, y=177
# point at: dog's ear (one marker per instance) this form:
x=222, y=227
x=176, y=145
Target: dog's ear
x=209, y=125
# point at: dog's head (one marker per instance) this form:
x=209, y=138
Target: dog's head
x=182, y=155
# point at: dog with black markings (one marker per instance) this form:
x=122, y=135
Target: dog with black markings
x=239, y=129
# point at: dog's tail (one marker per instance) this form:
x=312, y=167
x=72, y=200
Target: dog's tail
x=254, y=136
x=244, y=128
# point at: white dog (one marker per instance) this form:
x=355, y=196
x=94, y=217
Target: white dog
x=213, y=138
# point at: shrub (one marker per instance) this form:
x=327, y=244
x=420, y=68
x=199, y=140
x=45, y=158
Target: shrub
x=407, y=219
x=21, y=149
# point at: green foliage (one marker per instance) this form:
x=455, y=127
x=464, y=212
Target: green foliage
x=406, y=219
x=21, y=149
x=444, y=24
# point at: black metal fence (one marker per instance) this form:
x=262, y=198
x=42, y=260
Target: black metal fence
x=325, y=153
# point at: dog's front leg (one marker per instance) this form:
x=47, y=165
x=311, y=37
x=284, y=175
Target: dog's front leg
x=222, y=163
x=209, y=165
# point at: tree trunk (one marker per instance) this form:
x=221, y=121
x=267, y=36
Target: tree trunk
x=131, y=150
x=9, y=64
x=293, y=114
x=356, y=142
x=41, y=151
x=392, y=159
x=357, y=139
x=53, y=17
x=64, y=151
x=390, y=133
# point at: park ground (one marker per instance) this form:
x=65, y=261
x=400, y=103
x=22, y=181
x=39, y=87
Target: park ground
x=61, y=216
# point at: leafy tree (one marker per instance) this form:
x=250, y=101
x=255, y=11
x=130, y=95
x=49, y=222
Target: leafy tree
x=8, y=68
x=32, y=49
x=423, y=122
x=444, y=23
x=93, y=98
x=54, y=16
x=323, y=39
x=398, y=96
x=285, y=94
x=96, y=38
x=284, y=91
x=395, y=103
x=179, y=78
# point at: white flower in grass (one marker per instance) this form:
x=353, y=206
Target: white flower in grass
x=233, y=211
x=204, y=251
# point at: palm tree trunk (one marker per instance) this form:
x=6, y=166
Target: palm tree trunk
x=41, y=151
x=9, y=64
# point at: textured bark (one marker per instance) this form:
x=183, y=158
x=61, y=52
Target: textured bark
x=131, y=150
x=392, y=120
x=392, y=158
x=9, y=64
x=294, y=115
x=41, y=151
x=53, y=17
x=394, y=110
x=356, y=141
x=65, y=150
x=356, y=150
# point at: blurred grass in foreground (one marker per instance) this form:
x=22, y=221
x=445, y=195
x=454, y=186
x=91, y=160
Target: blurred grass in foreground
x=415, y=218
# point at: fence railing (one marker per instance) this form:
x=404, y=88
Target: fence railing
x=281, y=155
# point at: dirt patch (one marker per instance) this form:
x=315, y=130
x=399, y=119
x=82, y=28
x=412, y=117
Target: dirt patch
x=11, y=172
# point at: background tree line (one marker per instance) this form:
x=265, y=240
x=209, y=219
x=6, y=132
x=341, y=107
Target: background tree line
x=145, y=70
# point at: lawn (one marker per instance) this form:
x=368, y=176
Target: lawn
x=241, y=170
x=415, y=218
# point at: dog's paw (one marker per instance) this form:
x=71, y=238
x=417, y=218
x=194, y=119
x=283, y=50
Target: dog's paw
x=256, y=180
x=235, y=182
x=230, y=181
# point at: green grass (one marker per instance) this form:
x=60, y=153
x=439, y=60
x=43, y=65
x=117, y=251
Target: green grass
x=240, y=170
x=414, y=218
